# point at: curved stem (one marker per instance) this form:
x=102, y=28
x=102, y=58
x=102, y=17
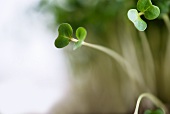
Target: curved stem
x=155, y=100
x=123, y=62
x=108, y=51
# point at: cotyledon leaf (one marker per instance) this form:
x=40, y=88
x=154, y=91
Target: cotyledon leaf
x=137, y=21
x=65, y=32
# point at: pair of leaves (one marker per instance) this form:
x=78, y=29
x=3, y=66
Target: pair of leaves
x=65, y=32
x=146, y=8
x=158, y=111
x=65, y=35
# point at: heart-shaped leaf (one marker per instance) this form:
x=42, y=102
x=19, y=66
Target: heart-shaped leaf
x=158, y=111
x=140, y=24
x=142, y=5
x=81, y=34
x=152, y=12
x=132, y=14
x=65, y=34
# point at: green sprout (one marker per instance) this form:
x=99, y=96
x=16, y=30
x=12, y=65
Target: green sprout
x=65, y=36
x=147, y=9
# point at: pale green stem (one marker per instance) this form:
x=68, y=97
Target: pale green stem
x=108, y=51
x=154, y=99
x=149, y=62
x=141, y=13
x=124, y=63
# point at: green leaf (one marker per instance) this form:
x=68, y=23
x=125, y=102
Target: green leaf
x=158, y=111
x=137, y=21
x=152, y=12
x=140, y=24
x=81, y=33
x=65, y=32
x=142, y=5
x=77, y=45
x=132, y=14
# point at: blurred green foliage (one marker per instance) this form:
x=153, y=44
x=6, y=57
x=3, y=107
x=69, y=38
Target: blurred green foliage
x=93, y=14
x=79, y=12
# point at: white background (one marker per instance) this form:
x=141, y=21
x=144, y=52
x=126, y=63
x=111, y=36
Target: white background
x=33, y=74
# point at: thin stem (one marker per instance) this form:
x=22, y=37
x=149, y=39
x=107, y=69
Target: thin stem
x=123, y=62
x=140, y=13
x=155, y=100
x=108, y=51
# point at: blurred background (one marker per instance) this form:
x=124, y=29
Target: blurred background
x=33, y=73
x=35, y=77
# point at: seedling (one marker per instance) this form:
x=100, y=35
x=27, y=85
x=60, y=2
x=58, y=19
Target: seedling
x=155, y=100
x=65, y=37
x=147, y=9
